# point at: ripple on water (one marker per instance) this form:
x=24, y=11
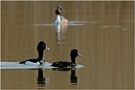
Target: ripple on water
x=16, y=65
x=70, y=23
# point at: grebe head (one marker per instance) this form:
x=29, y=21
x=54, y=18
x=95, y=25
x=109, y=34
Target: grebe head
x=59, y=10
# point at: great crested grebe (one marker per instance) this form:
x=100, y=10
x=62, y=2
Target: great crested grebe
x=58, y=18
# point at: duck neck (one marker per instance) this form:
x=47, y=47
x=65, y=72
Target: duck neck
x=73, y=60
x=40, y=54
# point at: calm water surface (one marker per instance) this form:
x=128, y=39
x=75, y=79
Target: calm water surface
x=105, y=43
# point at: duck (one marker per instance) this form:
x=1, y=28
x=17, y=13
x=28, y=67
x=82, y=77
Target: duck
x=40, y=60
x=65, y=64
x=58, y=18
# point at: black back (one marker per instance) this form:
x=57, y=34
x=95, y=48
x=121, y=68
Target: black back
x=63, y=64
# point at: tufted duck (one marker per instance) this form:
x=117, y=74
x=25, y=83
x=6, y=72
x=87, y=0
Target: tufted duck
x=40, y=48
x=64, y=64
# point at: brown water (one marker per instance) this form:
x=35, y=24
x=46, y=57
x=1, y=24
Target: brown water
x=105, y=43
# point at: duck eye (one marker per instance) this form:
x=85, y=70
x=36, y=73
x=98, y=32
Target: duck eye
x=43, y=45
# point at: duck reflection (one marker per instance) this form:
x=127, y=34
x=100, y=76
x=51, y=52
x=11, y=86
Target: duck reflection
x=41, y=81
x=60, y=30
x=73, y=77
x=40, y=78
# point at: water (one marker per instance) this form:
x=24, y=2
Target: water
x=104, y=37
x=29, y=65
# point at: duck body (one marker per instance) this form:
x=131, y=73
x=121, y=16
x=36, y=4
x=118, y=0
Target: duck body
x=33, y=61
x=58, y=18
x=65, y=64
x=29, y=60
x=61, y=64
x=40, y=48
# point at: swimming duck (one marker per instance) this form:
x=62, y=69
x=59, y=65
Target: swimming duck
x=64, y=64
x=59, y=19
x=40, y=48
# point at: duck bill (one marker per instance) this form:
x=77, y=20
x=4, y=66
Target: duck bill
x=47, y=48
x=79, y=55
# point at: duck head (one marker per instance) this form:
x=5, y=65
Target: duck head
x=59, y=10
x=40, y=48
x=73, y=54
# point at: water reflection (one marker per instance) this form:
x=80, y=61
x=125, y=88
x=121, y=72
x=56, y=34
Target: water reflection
x=107, y=46
x=73, y=77
x=60, y=30
x=40, y=78
x=41, y=81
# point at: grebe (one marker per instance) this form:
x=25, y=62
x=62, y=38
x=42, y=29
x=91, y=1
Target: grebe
x=59, y=19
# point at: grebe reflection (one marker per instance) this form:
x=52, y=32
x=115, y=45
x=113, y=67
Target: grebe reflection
x=60, y=30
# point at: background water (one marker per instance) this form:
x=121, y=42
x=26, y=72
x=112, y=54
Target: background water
x=105, y=43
